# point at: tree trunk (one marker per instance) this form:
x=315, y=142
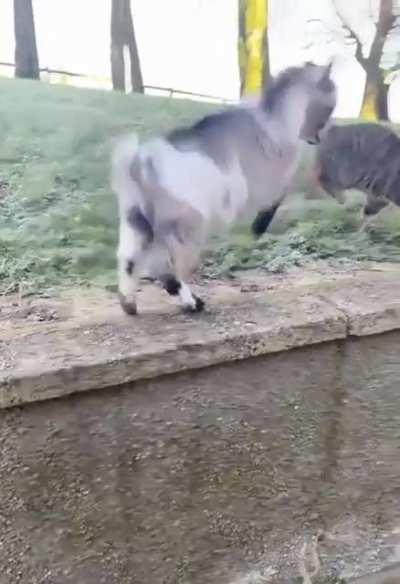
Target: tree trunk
x=382, y=100
x=374, y=105
x=136, y=72
x=253, y=45
x=123, y=35
x=26, y=55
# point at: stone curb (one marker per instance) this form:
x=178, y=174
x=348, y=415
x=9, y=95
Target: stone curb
x=389, y=575
x=56, y=362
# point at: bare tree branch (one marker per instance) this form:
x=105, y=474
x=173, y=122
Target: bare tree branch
x=385, y=23
x=375, y=94
x=351, y=35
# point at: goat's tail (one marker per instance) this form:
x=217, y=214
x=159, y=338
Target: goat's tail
x=123, y=156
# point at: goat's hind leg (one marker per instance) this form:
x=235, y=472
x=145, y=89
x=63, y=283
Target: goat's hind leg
x=175, y=287
x=128, y=280
x=184, y=256
x=134, y=238
x=127, y=284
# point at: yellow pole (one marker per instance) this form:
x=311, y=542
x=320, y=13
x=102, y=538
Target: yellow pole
x=256, y=28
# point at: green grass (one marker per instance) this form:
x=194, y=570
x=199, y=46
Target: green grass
x=310, y=230
x=58, y=216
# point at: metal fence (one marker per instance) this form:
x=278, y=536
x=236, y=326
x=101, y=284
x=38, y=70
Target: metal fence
x=168, y=91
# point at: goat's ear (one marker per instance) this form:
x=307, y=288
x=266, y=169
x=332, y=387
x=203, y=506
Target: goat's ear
x=328, y=69
x=325, y=83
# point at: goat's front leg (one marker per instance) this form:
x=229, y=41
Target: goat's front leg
x=263, y=220
x=372, y=207
x=184, y=257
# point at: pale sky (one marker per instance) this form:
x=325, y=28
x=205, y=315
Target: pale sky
x=184, y=44
x=192, y=44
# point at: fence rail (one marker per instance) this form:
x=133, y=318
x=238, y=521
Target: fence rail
x=47, y=70
x=170, y=91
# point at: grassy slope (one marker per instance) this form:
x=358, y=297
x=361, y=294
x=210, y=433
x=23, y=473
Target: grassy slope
x=57, y=214
x=58, y=217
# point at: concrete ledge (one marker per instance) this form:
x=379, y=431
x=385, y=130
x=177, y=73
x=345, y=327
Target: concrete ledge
x=60, y=362
x=389, y=576
x=53, y=360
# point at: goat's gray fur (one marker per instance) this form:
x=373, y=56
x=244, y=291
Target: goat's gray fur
x=365, y=157
x=176, y=190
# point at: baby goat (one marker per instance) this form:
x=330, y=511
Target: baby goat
x=175, y=191
x=364, y=157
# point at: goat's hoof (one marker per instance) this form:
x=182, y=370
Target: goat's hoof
x=128, y=306
x=198, y=306
x=257, y=231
